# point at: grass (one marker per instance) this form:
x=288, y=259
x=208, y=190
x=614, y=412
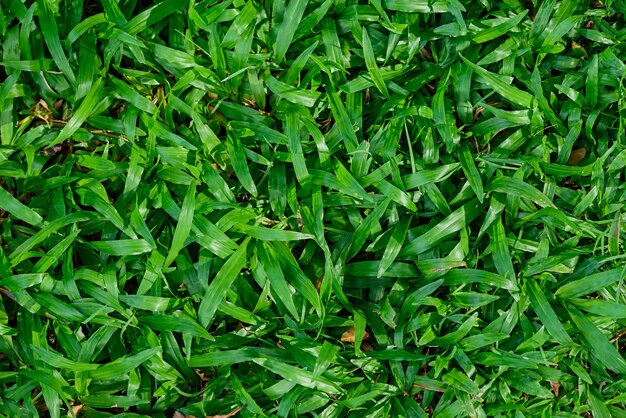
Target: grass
x=321, y=208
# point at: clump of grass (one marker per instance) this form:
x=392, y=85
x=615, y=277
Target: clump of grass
x=312, y=208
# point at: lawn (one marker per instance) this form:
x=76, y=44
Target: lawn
x=317, y=208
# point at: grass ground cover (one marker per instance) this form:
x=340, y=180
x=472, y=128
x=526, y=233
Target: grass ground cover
x=321, y=208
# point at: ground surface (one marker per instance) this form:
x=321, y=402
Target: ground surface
x=312, y=208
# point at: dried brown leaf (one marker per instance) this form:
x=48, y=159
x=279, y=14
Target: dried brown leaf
x=75, y=410
x=348, y=336
x=576, y=156
x=555, y=388
x=230, y=414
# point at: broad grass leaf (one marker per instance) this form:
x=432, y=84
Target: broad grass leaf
x=123, y=247
x=18, y=209
x=589, y=284
x=363, y=231
x=229, y=357
x=123, y=365
x=292, y=270
x=174, y=324
x=542, y=307
x=601, y=308
x=463, y=276
x=520, y=189
x=500, y=250
x=276, y=277
x=418, y=6
x=496, y=31
x=184, y=224
x=288, y=27
x=86, y=109
x=458, y=219
x=272, y=234
x=343, y=121
x=370, y=62
x=244, y=19
x=21, y=251
x=221, y=283
x=50, y=32
x=597, y=343
x=500, y=85
x=471, y=172
x=299, y=376
x=396, y=241
x=442, y=115
x=295, y=147
x=240, y=163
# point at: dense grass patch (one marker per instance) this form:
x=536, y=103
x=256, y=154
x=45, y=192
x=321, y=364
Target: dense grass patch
x=312, y=208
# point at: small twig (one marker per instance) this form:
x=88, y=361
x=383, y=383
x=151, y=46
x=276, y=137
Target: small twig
x=7, y=293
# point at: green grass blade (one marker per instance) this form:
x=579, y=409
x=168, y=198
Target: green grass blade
x=50, y=32
x=123, y=247
x=590, y=284
x=288, y=27
x=456, y=277
x=598, y=343
x=541, y=306
x=298, y=376
x=83, y=112
x=240, y=164
x=295, y=147
x=519, y=188
x=502, y=87
x=394, y=246
x=19, y=210
x=278, y=283
x=221, y=283
x=471, y=172
x=500, y=250
x=499, y=30
x=183, y=227
x=453, y=223
x=370, y=62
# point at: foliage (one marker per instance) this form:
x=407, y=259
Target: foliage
x=316, y=207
